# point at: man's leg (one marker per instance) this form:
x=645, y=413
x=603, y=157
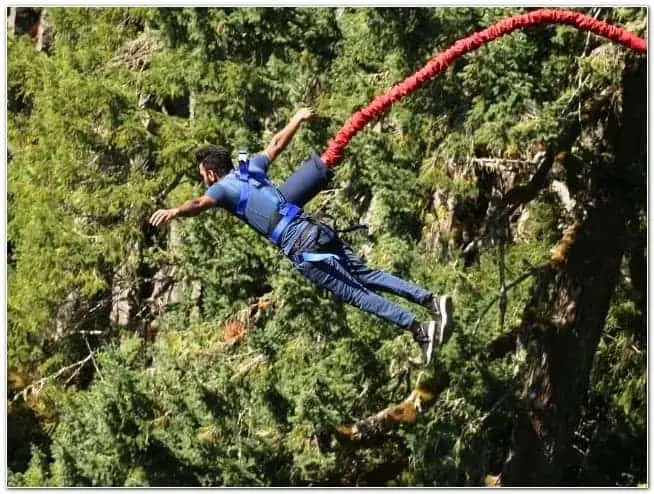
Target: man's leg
x=440, y=306
x=334, y=276
x=305, y=182
x=375, y=279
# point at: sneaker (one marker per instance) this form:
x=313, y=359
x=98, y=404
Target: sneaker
x=423, y=334
x=443, y=308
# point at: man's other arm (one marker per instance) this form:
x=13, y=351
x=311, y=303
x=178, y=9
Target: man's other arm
x=192, y=207
x=284, y=136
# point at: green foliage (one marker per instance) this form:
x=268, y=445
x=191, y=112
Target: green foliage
x=101, y=132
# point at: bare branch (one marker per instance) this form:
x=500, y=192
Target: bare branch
x=92, y=359
x=36, y=387
x=502, y=164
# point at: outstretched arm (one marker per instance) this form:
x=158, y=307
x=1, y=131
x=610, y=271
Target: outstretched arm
x=284, y=136
x=192, y=207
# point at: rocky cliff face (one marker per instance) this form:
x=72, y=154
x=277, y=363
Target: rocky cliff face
x=31, y=21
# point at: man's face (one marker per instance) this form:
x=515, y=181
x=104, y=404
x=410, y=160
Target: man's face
x=209, y=177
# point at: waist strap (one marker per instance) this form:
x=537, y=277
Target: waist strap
x=288, y=212
x=313, y=257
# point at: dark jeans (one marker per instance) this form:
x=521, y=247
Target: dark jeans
x=352, y=280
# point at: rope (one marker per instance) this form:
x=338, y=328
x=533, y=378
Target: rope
x=334, y=151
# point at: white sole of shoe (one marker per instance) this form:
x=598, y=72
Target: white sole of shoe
x=430, y=348
x=446, y=307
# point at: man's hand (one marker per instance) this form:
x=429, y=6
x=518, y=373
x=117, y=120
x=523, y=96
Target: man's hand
x=163, y=216
x=304, y=114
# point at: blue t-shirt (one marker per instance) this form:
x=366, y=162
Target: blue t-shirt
x=227, y=192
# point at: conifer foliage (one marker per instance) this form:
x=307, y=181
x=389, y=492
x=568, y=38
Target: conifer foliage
x=196, y=356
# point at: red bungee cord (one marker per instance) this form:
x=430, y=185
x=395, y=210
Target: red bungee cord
x=334, y=151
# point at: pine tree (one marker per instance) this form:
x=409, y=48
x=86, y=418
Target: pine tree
x=196, y=355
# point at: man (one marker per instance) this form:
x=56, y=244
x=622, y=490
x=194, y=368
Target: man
x=313, y=247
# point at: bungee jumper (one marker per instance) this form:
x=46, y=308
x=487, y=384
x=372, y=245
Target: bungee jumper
x=313, y=247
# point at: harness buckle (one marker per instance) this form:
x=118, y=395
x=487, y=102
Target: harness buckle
x=243, y=155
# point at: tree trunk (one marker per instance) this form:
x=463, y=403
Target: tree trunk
x=564, y=318
x=43, y=32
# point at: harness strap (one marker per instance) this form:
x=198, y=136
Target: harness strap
x=244, y=174
x=315, y=256
x=289, y=212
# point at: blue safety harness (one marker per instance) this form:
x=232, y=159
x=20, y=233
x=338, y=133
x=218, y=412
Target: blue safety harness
x=287, y=211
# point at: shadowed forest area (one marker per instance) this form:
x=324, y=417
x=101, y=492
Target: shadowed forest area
x=195, y=355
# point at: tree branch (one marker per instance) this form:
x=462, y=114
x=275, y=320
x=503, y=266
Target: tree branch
x=522, y=194
x=406, y=412
x=36, y=387
x=502, y=293
x=158, y=199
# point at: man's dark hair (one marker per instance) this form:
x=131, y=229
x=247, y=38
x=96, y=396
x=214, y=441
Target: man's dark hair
x=214, y=158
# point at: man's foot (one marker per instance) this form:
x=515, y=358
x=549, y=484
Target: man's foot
x=443, y=309
x=423, y=334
